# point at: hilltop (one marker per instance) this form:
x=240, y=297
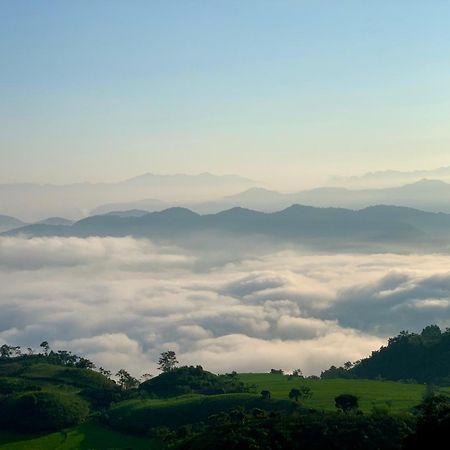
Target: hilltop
x=379, y=228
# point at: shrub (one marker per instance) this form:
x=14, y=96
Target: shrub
x=346, y=402
x=43, y=411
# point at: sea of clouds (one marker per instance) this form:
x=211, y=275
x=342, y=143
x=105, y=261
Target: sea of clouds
x=122, y=301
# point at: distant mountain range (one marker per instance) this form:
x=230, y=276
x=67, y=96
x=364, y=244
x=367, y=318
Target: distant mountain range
x=391, y=178
x=427, y=195
x=8, y=223
x=206, y=193
x=31, y=201
x=380, y=228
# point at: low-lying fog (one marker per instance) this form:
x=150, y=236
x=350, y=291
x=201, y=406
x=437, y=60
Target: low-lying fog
x=122, y=301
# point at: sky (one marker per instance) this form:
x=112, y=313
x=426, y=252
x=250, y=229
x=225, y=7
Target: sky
x=103, y=90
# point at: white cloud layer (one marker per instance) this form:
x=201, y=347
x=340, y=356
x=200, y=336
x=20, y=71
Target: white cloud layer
x=121, y=301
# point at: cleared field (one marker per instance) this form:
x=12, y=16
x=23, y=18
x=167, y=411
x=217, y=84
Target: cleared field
x=396, y=396
x=88, y=436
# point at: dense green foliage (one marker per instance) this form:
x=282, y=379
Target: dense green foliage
x=314, y=431
x=423, y=358
x=88, y=436
x=42, y=411
x=188, y=380
x=11, y=385
x=433, y=424
x=142, y=415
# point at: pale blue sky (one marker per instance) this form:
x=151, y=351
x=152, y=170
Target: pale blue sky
x=278, y=90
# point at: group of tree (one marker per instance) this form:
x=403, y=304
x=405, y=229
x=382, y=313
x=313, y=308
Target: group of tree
x=192, y=379
x=167, y=362
x=302, y=393
x=59, y=357
x=260, y=429
x=413, y=357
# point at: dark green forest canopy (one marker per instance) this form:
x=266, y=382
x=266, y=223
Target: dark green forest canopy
x=424, y=358
x=190, y=379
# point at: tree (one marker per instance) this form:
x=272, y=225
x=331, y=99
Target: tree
x=66, y=358
x=297, y=373
x=302, y=393
x=294, y=394
x=84, y=363
x=346, y=402
x=167, y=361
x=125, y=380
x=9, y=351
x=431, y=334
x=146, y=376
x=106, y=373
x=433, y=423
x=45, y=346
x=5, y=351
x=265, y=394
x=237, y=416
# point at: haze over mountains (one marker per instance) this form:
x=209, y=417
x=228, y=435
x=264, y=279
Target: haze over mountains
x=208, y=193
x=380, y=228
x=427, y=195
x=390, y=178
x=33, y=202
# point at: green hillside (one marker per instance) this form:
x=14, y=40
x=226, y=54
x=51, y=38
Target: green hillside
x=396, y=396
x=59, y=401
x=89, y=436
x=140, y=415
x=35, y=394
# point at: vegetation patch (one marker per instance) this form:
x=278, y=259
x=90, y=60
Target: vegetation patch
x=188, y=380
x=143, y=415
x=42, y=411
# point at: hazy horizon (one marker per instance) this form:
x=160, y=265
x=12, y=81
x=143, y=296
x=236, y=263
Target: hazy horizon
x=291, y=93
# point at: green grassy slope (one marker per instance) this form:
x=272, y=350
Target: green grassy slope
x=399, y=396
x=65, y=375
x=88, y=436
x=141, y=415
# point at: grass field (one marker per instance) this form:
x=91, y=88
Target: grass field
x=398, y=396
x=89, y=436
x=141, y=415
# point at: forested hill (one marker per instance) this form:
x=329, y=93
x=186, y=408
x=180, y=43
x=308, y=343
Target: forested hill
x=423, y=357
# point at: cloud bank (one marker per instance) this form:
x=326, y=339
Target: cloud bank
x=121, y=301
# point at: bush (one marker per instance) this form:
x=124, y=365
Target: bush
x=43, y=411
x=10, y=386
x=188, y=380
x=346, y=402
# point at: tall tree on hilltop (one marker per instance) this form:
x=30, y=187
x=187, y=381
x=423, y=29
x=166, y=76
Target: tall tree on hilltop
x=167, y=361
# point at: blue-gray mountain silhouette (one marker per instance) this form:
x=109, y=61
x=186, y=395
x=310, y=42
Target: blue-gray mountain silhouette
x=318, y=227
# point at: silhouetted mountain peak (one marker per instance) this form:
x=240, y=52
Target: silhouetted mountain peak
x=427, y=183
x=237, y=211
x=175, y=213
x=56, y=221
